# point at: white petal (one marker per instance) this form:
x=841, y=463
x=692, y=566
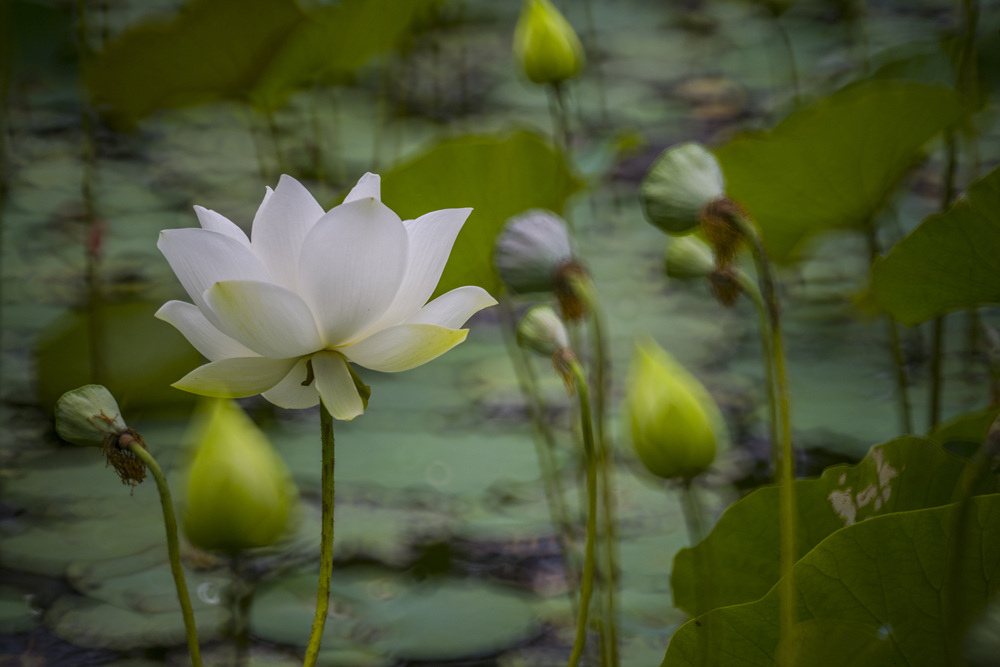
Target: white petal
x=280, y=226
x=201, y=258
x=369, y=185
x=336, y=386
x=403, y=347
x=351, y=266
x=216, y=222
x=236, y=377
x=193, y=325
x=269, y=319
x=431, y=237
x=290, y=393
x=454, y=308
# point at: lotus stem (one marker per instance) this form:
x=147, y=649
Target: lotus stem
x=240, y=598
x=587, y=585
x=753, y=293
x=545, y=446
x=584, y=287
x=784, y=454
x=173, y=549
x=326, y=539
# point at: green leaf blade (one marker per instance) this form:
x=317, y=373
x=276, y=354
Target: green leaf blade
x=951, y=261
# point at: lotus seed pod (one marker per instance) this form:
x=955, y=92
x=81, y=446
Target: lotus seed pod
x=542, y=331
x=530, y=251
x=239, y=493
x=88, y=416
x=675, y=423
x=689, y=258
x=545, y=45
x=682, y=181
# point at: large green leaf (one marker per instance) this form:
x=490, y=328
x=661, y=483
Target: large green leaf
x=498, y=176
x=212, y=50
x=952, y=260
x=834, y=164
x=742, y=549
x=219, y=50
x=335, y=40
x=870, y=594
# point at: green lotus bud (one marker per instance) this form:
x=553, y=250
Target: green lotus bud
x=89, y=416
x=239, y=493
x=689, y=258
x=542, y=331
x=545, y=45
x=531, y=250
x=674, y=421
x=682, y=181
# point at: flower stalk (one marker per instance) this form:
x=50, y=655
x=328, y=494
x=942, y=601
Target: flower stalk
x=326, y=539
x=138, y=449
x=590, y=459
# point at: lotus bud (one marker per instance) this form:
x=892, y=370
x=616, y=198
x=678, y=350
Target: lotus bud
x=239, y=493
x=545, y=45
x=531, y=250
x=689, y=258
x=542, y=331
x=674, y=421
x=89, y=416
x=680, y=184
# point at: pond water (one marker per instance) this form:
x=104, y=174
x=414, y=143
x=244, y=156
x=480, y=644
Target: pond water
x=445, y=548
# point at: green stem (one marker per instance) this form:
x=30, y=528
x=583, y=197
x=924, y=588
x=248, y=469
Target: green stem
x=241, y=595
x=545, y=446
x=753, y=293
x=587, y=586
x=272, y=128
x=695, y=522
x=937, y=344
x=793, y=73
x=895, y=349
x=584, y=287
x=952, y=604
x=173, y=549
x=560, y=119
x=785, y=472
x=326, y=539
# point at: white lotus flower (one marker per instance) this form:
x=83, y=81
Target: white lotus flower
x=282, y=313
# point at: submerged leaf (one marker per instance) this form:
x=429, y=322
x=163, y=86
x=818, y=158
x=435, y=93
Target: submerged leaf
x=951, y=261
x=834, y=164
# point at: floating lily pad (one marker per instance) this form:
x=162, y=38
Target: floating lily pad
x=94, y=624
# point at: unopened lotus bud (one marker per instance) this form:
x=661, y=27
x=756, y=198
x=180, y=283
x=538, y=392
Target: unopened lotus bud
x=545, y=45
x=679, y=185
x=675, y=423
x=88, y=416
x=541, y=331
x=531, y=250
x=239, y=493
x=689, y=258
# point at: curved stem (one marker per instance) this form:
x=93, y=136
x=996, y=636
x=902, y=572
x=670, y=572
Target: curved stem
x=326, y=537
x=545, y=445
x=753, y=293
x=605, y=458
x=785, y=472
x=895, y=349
x=587, y=586
x=173, y=549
